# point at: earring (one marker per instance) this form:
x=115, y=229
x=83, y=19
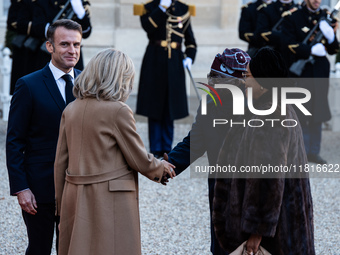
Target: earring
x=261, y=88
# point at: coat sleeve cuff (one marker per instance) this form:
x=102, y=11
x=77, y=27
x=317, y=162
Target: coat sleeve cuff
x=261, y=228
x=191, y=53
x=333, y=47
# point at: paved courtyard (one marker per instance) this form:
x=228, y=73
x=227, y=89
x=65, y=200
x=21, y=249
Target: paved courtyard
x=175, y=218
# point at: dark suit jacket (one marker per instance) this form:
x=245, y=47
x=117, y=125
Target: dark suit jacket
x=32, y=134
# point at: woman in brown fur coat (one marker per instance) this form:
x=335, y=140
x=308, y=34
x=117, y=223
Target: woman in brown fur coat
x=274, y=211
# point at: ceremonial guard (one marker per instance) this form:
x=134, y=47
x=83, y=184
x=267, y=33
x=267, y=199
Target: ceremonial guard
x=300, y=44
x=19, y=15
x=269, y=22
x=32, y=22
x=162, y=92
x=247, y=24
x=12, y=16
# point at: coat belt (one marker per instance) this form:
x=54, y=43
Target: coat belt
x=96, y=178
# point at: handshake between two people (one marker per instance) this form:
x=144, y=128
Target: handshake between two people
x=169, y=171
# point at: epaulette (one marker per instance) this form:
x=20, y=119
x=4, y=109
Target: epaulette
x=139, y=9
x=262, y=6
x=246, y=5
x=192, y=10
x=289, y=12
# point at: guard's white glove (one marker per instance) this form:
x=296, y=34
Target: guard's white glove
x=165, y=3
x=78, y=8
x=319, y=50
x=327, y=31
x=187, y=62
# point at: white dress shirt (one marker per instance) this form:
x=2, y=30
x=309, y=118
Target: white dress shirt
x=61, y=83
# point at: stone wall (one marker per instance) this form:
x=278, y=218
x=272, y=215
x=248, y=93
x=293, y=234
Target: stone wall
x=215, y=28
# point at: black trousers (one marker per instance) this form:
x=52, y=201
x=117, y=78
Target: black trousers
x=40, y=229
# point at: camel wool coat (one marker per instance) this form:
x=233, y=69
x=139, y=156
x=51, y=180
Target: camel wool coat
x=96, y=182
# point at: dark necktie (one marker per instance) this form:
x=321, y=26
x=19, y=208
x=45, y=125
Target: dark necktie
x=68, y=88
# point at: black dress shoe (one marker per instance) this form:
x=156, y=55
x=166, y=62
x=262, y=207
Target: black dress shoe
x=316, y=159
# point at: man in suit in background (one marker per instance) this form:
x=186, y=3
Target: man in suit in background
x=33, y=128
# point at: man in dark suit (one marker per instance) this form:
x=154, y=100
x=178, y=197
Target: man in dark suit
x=296, y=29
x=226, y=69
x=33, y=126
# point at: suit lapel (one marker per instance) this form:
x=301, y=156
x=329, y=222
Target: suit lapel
x=53, y=87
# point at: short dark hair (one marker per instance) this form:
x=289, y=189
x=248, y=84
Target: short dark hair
x=268, y=63
x=66, y=23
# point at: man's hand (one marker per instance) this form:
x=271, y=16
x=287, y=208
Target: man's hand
x=165, y=177
x=27, y=201
x=327, y=31
x=187, y=62
x=78, y=8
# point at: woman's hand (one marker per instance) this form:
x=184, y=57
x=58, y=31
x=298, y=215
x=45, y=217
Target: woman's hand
x=253, y=244
x=168, y=169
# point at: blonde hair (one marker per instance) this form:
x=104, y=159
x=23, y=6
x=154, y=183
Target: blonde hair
x=108, y=76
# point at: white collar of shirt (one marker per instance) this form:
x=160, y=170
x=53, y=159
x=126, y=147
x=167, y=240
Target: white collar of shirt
x=313, y=11
x=57, y=74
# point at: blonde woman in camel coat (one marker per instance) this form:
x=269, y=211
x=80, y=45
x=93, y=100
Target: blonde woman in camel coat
x=98, y=158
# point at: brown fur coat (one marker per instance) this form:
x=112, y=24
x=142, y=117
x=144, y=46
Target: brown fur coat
x=279, y=209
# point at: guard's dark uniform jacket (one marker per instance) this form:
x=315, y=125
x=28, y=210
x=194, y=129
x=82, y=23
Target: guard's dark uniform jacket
x=162, y=80
x=49, y=9
x=12, y=17
x=295, y=29
x=269, y=21
x=19, y=16
x=247, y=25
